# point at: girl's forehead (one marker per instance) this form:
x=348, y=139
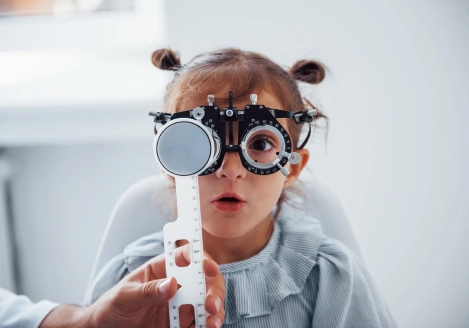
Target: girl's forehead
x=221, y=99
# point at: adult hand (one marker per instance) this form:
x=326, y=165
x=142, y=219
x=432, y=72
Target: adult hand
x=141, y=299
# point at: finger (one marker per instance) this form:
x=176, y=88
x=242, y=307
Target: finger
x=214, y=321
x=154, y=268
x=215, y=289
x=153, y=293
x=213, y=304
x=183, y=259
x=183, y=255
x=211, y=267
x=186, y=315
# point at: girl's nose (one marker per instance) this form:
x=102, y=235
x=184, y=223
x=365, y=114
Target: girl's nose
x=231, y=167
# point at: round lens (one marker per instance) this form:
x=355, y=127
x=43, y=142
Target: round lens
x=183, y=148
x=263, y=146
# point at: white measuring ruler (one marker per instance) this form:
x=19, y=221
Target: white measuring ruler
x=188, y=226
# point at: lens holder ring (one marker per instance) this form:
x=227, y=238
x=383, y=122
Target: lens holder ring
x=218, y=158
x=281, y=153
x=204, y=129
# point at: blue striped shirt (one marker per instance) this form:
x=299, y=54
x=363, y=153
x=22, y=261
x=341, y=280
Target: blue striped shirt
x=300, y=279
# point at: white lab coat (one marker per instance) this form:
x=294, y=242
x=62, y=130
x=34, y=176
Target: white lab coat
x=19, y=312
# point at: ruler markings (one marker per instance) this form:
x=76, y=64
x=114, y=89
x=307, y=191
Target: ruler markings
x=188, y=227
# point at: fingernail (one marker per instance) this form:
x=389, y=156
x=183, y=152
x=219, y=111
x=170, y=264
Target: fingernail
x=217, y=303
x=164, y=287
x=217, y=321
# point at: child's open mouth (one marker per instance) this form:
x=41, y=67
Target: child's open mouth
x=229, y=202
x=229, y=199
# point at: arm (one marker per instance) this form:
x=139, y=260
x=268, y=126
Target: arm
x=141, y=298
x=121, y=305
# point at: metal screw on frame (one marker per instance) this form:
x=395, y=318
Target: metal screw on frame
x=210, y=100
x=198, y=113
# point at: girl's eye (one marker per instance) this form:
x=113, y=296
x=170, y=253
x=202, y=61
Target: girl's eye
x=261, y=145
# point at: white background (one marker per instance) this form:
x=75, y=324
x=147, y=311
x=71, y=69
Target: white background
x=397, y=151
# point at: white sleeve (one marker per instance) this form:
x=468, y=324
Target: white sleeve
x=19, y=312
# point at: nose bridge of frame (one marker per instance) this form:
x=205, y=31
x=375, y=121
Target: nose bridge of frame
x=235, y=136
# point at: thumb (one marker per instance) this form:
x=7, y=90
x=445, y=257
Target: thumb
x=153, y=293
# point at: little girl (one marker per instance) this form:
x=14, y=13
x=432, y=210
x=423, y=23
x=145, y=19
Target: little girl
x=280, y=269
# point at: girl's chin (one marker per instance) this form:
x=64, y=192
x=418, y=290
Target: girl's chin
x=225, y=231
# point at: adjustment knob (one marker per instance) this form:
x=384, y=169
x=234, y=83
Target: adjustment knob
x=284, y=171
x=210, y=100
x=294, y=158
x=253, y=98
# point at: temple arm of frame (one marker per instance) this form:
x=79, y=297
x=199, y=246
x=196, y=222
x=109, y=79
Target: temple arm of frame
x=301, y=117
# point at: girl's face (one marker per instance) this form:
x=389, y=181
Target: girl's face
x=234, y=202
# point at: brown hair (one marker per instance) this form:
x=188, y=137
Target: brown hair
x=244, y=72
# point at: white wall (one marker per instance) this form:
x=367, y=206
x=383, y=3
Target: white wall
x=398, y=150
x=62, y=198
x=7, y=271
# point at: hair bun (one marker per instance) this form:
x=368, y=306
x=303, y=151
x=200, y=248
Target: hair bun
x=308, y=71
x=166, y=59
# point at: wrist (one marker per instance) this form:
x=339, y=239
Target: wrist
x=85, y=318
x=64, y=316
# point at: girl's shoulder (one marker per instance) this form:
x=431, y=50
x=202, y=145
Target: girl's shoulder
x=342, y=287
x=134, y=255
x=298, y=262
x=302, y=240
x=303, y=233
x=142, y=250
